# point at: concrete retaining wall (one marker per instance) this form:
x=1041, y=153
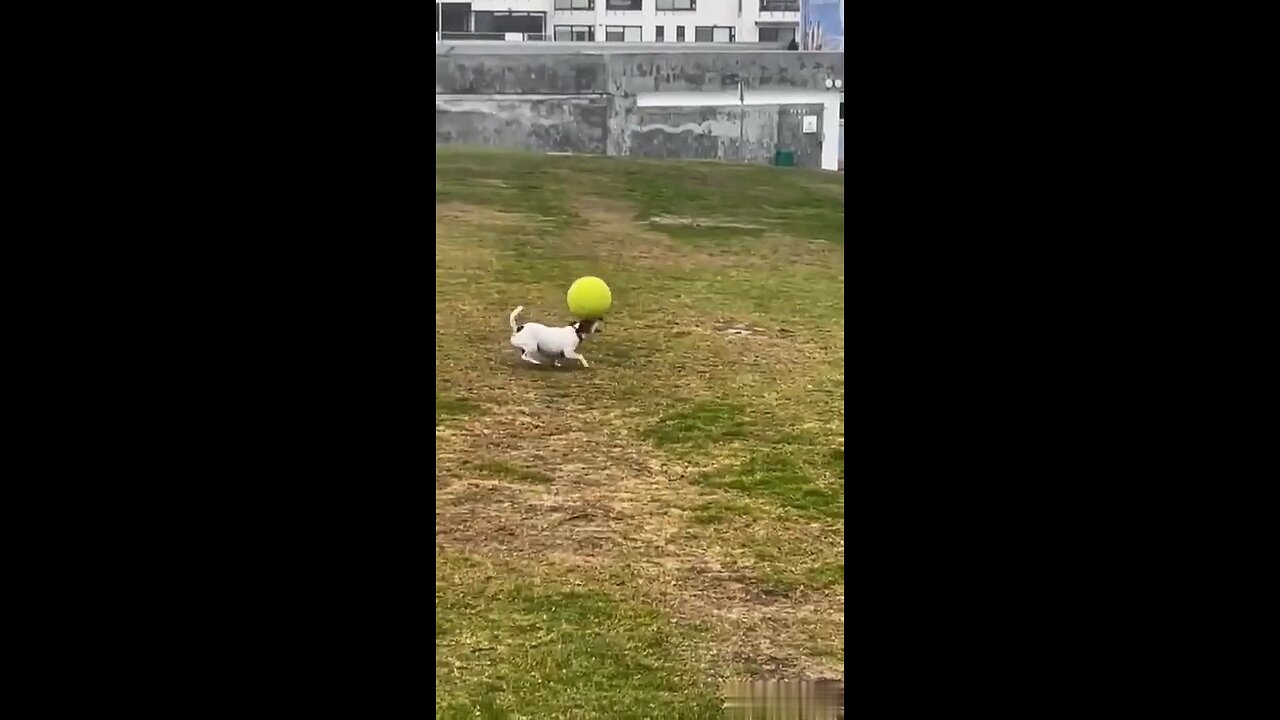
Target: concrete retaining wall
x=731, y=133
x=585, y=101
x=566, y=123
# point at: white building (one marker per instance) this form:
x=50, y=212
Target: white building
x=773, y=22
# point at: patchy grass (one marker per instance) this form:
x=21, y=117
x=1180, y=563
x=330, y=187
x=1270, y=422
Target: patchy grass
x=794, y=480
x=804, y=204
x=509, y=645
x=700, y=424
x=692, y=529
x=781, y=572
x=452, y=407
x=513, y=472
x=707, y=232
x=715, y=511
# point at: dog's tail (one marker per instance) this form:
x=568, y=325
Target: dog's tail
x=512, y=319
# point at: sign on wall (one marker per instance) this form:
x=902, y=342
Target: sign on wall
x=824, y=25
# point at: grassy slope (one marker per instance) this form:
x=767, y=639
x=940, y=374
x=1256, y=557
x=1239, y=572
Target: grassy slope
x=612, y=542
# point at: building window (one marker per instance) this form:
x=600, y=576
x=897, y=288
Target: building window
x=624, y=5
x=778, y=34
x=710, y=33
x=530, y=23
x=679, y=33
x=575, y=4
x=779, y=5
x=677, y=5
x=575, y=33
x=455, y=17
x=622, y=33
x=659, y=34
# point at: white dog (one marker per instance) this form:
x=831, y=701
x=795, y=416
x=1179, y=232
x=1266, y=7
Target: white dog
x=550, y=342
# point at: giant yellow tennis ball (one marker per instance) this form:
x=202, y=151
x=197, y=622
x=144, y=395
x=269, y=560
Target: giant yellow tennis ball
x=589, y=298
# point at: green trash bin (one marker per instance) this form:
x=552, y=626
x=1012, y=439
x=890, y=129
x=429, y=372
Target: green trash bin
x=784, y=158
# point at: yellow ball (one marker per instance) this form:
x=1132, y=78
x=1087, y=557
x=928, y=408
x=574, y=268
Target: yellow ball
x=589, y=298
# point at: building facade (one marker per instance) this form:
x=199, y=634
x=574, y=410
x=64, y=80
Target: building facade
x=771, y=22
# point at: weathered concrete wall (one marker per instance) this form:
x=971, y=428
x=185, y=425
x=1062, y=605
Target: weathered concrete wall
x=585, y=101
x=512, y=74
x=707, y=133
x=630, y=73
x=712, y=133
x=541, y=124
x=656, y=72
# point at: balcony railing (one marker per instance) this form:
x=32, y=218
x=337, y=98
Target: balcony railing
x=512, y=37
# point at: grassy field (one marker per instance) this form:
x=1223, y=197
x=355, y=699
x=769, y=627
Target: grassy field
x=613, y=542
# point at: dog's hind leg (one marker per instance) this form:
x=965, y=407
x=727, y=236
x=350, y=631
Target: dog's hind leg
x=529, y=358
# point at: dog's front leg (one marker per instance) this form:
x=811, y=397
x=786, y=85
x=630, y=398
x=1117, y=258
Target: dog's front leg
x=575, y=355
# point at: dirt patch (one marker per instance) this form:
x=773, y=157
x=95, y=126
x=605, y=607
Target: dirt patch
x=701, y=222
x=477, y=215
x=637, y=242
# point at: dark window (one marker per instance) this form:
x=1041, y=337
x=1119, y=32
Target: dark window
x=713, y=33
x=575, y=4
x=437, y=17
x=841, y=111
x=624, y=4
x=778, y=34
x=779, y=5
x=455, y=17
x=679, y=33
x=509, y=22
x=677, y=5
x=575, y=33
x=622, y=33
x=659, y=34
